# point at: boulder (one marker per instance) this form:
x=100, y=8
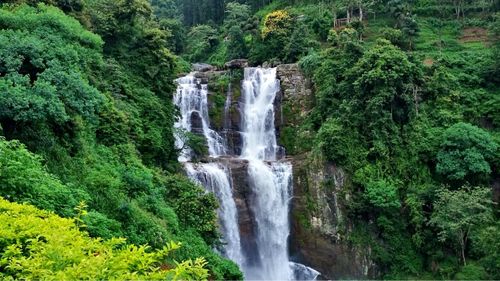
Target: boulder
x=208, y=76
x=236, y=64
x=203, y=67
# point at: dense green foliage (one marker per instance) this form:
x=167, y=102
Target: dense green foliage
x=406, y=100
x=36, y=244
x=413, y=126
x=465, y=153
x=90, y=94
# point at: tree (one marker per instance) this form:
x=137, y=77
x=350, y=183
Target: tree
x=276, y=33
x=236, y=45
x=494, y=69
x=322, y=24
x=166, y=9
x=202, y=11
x=43, y=70
x=458, y=213
x=487, y=245
x=236, y=14
x=409, y=27
x=382, y=99
x=363, y=7
x=277, y=24
x=458, y=6
x=176, y=40
x=465, y=153
x=201, y=40
x=298, y=44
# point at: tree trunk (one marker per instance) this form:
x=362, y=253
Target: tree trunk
x=463, y=255
x=462, y=9
x=463, y=242
x=360, y=13
x=415, y=98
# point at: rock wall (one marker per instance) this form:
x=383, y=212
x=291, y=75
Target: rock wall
x=293, y=103
x=320, y=228
x=243, y=199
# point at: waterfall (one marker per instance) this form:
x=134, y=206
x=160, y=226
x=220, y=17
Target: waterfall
x=192, y=101
x=259, y=136
x=214, y=178
x=270, y=180
x=269, y=176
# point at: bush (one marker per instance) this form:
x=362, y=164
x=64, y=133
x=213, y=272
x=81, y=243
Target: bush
x=98, y=225
x=37, y=244
x=471, y=272
x=194, y=207
x=23, y=178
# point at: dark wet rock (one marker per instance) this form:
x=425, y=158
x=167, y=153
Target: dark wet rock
x=203, y=67
x=196, y=123
x=236, y=64
x=208, y=76
x=234, y=141
x=272, y=63
x=243, y=199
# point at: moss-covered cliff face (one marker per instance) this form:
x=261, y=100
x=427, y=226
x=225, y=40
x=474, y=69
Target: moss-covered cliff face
x=321, y=232
x=293, y=105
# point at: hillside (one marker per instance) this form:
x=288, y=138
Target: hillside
x=375, y=156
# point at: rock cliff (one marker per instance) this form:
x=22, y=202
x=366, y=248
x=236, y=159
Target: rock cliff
x=320, y=228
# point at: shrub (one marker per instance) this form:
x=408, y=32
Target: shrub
x=37, y=244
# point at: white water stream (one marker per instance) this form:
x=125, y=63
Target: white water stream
x=271, y=181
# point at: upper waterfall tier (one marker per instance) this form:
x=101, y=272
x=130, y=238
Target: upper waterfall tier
x=191, y=99
x=259, y=136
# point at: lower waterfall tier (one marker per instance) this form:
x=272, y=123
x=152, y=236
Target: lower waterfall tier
x=254, y=197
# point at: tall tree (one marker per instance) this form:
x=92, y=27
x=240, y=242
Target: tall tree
x=458, y=213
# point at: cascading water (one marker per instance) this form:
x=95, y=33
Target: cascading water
x=214, y=178
x=191, y=99
x=269, y=176
x=270, y=181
